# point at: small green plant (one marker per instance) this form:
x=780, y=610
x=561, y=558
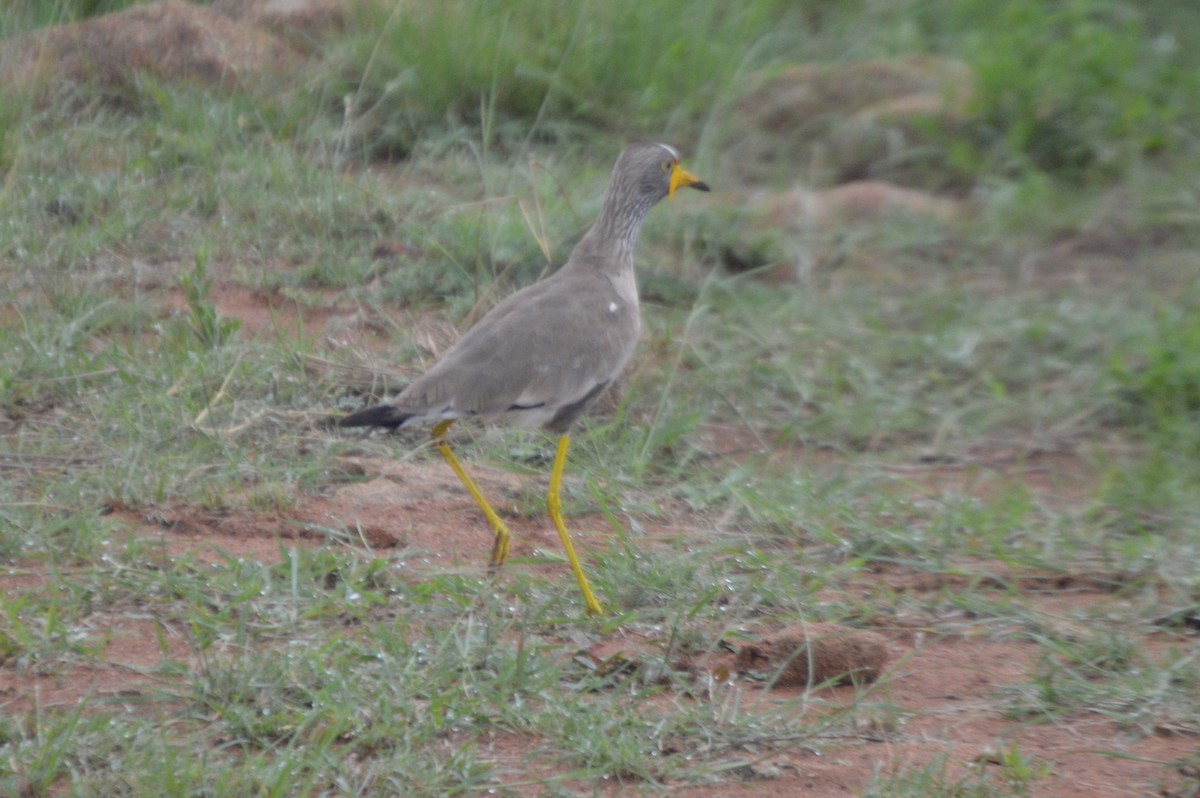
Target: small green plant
x=1159, y=375
x=1020, y=770
x=205, y=321
x=936, y=780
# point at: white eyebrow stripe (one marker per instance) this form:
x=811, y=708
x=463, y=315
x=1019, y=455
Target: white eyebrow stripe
x=670, y=149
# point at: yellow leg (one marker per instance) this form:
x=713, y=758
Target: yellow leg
x=500, y=545
x=554, y=507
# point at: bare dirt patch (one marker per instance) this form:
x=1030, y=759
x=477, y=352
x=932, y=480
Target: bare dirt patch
x=263, y=313
x=120, y=654
x=420, y=508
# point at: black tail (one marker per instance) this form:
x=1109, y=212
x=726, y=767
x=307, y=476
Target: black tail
x=388, y=416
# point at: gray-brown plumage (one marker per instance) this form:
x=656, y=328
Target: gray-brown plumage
x=542, y=356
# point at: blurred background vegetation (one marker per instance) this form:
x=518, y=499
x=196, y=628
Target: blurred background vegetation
x=1080, y=90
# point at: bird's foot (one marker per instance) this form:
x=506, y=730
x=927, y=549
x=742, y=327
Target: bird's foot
x=499, y=550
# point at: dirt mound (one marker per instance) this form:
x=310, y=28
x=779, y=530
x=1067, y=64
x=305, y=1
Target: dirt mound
x=858, y=201
x=846, y=122
x=815, y=653
x=308, y=18
x=171, y=41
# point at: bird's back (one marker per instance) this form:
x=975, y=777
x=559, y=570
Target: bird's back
x=537, y=354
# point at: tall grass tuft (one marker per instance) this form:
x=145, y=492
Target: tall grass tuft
x=640, y=67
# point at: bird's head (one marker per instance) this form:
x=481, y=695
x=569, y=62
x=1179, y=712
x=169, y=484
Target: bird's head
x=656, y=171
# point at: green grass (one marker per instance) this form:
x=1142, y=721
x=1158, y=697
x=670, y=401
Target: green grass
x=549, y=73
x=1014, y=775
x=783, y=447
x=21, y=15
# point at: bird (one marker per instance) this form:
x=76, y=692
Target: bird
x=542, y=356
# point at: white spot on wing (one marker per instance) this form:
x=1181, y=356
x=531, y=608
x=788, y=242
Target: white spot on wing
x=612, y=307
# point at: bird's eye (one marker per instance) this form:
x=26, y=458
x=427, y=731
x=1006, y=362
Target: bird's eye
x=666, y=166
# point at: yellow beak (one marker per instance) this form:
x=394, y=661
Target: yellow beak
x=681, y=178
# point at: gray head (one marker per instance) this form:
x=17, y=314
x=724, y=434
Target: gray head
x=645, y=173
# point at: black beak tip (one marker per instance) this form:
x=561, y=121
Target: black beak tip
x=701, y=186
